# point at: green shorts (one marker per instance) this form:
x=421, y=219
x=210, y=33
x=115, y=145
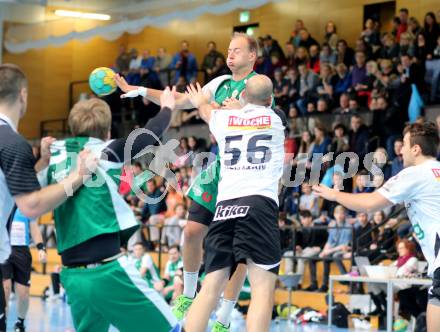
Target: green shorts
x=115, y=294
x=204, y=189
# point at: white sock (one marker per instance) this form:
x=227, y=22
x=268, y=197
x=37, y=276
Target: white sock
x=190, y=283
x=225, y=311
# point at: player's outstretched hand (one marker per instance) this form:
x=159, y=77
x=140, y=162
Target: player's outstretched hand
x=196, y=95
x=325, y=192
x=130, y=90
x=231, y=104
x=168, y=99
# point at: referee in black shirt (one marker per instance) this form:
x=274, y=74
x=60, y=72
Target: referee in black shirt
x=18, y=180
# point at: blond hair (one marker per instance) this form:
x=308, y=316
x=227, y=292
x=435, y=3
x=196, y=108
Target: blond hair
x=252, y=42
x=90, y=118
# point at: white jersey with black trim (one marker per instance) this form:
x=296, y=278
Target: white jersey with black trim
x=418, y=187
x=251, y=149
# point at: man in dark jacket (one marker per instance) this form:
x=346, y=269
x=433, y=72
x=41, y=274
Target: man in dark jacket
x=358, y=137
x=210, y=59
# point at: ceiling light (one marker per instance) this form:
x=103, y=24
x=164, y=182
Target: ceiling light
x=75, y=14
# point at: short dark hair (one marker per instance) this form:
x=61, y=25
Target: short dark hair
x=424, y=135
x=174, y=246
x=305, y=214
x=405, y=10
x=12, y=81
x=139, y=244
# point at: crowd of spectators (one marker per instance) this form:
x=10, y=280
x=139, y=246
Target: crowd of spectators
x=338, y=98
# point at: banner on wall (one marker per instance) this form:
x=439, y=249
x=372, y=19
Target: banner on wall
x=18, y=41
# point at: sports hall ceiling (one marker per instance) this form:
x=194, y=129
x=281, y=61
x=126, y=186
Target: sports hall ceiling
x=38, y=11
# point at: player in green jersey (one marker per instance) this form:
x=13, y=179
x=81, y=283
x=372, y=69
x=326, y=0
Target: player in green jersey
x=225, y=91
x=103, y=287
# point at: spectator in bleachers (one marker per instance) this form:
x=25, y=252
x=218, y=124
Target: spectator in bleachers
x=272, y=48
x=342, y=81
x=322, y=105
x=173, y=198
x=370, y=35
x=145, y=265
x=414, y=27
x=395, y=26
x=173, y=225
x=210, y=60
x=301, y=56
x=308, y=82
x=122, y=61
x=280, y=89
x=421, y=49
x=358, y=137
x=285, y=233
x=290, y=54
x=220, y=68
x=327, y=55
x=403, y=16
x=407, y=264
x=361, y=183
x=310, y=242
x=306, y=143
x=345, y=54
x=359, y=70
x=340, y=140
x=292, y=84
x=308, y=200
x=314, y=62
x=362, y=233
x=174, y=264
x=406, y=45
x=213, y=145
x=327, y=80
x=380, y=159
x=337, y=246
x=362, y=46
x=161, y=64
x=295, y=37
x=383, y=239
x=290, y=204
x=322, y=141
x=431, y=31
x=306, y=39
x=185, y=64
x=397, y=163
x=390, y=48
x=330, y=37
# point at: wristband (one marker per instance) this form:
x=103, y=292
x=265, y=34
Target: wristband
x=40, y=246
x=140, y=91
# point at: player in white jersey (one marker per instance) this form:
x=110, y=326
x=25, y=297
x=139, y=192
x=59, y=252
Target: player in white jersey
x=418, y=187
x=244, y=228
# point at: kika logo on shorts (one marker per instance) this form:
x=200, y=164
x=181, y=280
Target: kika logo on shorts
x=230, y=212
x=259, y=122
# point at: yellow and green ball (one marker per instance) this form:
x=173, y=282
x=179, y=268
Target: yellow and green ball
x=400, y=325
x=102, y=82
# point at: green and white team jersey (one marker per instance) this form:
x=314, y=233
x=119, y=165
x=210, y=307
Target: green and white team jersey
x=204, y=188
x=172, y=267
x=97, y=207
x=152, y=274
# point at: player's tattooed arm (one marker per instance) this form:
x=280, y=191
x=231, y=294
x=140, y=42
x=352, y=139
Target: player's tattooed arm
x=200, y=101
x=153, y=95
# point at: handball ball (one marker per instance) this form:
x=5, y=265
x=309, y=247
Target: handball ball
x=400, y=325
x=102, y=82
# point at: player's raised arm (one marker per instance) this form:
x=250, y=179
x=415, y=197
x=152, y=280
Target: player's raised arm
x=153, y=95
x=367, y=202
x=200, y=101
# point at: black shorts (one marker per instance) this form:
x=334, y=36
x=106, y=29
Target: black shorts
x=244, y=228
x=18, y=266
x=199, y=214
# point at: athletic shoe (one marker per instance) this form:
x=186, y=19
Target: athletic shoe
x=219, y=327
x=181, y=306
x=19, y=327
